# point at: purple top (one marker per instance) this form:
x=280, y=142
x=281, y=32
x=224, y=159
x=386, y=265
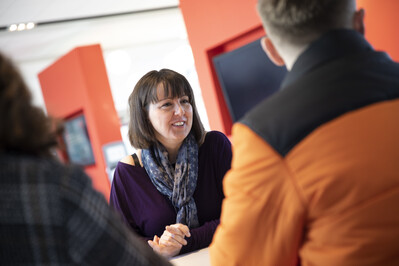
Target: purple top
x=147, y=211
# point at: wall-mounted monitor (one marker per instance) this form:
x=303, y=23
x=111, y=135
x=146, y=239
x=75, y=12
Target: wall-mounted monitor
x=77, y=141
x=247, y=76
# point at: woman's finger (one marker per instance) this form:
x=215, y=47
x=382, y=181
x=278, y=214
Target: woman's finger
x=176, y=234
x=151, y=243
x=174, y=239
x=181, y=228
x=168, y=240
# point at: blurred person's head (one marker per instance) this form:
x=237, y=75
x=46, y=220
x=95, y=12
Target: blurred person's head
x=162, y=108
x=24, y=128
x=293, y=24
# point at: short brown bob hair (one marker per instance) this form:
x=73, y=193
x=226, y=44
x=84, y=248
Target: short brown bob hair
x=141, y=132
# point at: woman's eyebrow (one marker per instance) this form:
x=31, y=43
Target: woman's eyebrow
x=167, y=98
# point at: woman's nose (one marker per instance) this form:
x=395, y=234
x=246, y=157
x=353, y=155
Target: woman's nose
x=179, y=110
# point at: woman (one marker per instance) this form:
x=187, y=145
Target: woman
x=172, y=187
x=49, y=213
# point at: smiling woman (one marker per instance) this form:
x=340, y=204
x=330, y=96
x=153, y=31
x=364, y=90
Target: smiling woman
x=173, y=188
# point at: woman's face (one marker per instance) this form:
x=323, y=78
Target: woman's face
x=172, y=119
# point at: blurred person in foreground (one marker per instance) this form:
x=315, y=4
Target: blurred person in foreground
x=315, y=172
x=49, y=213
x=170, y=192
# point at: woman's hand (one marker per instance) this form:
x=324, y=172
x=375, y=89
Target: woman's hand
x=171, y=240
x=174, y=235
x=166, y=251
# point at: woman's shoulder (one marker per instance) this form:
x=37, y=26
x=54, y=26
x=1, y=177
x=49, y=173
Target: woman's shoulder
x=133, y=159
x=215, y=142
x=127, y=170
x=128, y=159
x=216, y=136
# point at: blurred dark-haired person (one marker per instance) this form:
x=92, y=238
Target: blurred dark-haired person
x=315, y=173
x=170, y=192
x=49, y=212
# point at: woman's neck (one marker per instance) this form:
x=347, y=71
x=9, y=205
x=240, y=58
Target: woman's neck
x=173, y=150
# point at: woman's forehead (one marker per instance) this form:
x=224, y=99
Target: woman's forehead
x=169, y=92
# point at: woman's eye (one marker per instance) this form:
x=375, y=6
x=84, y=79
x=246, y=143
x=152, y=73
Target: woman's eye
x=185, y=101
x=166, y=104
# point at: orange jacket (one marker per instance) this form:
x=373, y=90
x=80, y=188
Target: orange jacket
x=332, y=198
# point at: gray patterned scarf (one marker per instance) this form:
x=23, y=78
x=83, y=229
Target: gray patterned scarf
x=178, y=183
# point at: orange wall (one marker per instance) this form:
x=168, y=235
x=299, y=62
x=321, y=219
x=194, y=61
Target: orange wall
x=216, y=26
x=381, y=20
x=78, y=83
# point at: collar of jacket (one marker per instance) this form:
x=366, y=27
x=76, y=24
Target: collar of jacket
x=331, y=45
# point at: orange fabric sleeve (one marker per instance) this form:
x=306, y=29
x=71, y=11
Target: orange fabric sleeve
x=263, y=213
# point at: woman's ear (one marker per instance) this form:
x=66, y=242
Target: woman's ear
x=271, y=51
x=358, y=21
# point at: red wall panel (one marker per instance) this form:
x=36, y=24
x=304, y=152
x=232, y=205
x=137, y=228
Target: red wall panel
x=78, y=83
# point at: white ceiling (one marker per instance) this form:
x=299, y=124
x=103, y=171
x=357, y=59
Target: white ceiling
x=14, y=11
x=50, y=38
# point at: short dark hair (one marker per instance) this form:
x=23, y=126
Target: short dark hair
x=24, y=128
x=300, y=21
x=141, y=132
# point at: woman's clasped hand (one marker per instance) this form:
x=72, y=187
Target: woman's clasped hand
x=171, y=241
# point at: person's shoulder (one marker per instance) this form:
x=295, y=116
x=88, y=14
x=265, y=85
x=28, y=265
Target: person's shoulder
x=43, y=170
x=47, y=166
x=215, y=135
x=128, y=159
x=216, y=139
x=36, y=165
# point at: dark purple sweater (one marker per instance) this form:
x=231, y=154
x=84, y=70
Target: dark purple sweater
x=147, y=211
